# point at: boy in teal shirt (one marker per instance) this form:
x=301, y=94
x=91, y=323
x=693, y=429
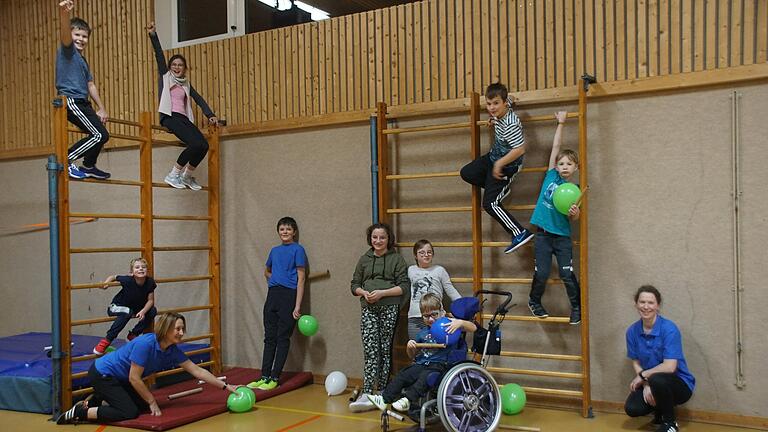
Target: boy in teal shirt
x=554, y=230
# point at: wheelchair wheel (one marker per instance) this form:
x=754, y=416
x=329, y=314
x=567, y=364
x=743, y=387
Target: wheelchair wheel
x=468, y=399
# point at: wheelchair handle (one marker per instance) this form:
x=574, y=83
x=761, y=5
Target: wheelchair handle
x=504, y=305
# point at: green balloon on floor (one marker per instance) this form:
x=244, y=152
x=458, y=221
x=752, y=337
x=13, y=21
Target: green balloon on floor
x=308, y=325
x=242, y=400
x=512, y=399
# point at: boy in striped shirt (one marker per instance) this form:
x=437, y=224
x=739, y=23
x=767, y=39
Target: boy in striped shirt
x=495, y=170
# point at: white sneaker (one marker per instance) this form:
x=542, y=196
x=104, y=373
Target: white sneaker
x=378, y=401
x=361, y=404
x=401, y=405
x=190, y=182
x=175, y=181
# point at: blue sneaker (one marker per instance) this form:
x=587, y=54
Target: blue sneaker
x=75, y=173
x=95, y=172
x=519, y=240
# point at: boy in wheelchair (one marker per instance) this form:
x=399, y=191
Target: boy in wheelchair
x=416, y=380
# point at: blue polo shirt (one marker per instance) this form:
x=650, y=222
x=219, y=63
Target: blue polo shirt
x=144, y=351
x=663, y=342
x=283, y=260
x=72, y=73
x=545, y=216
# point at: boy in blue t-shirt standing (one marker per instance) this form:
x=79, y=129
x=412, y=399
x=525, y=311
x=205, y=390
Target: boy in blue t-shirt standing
x=74, y=80
x=554, y=230
x=495, y=171
x=285, y=275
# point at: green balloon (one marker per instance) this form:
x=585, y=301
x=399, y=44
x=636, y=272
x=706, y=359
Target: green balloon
x=110, y=349
x=241, y=401
x=512, y=399
x=565, y=195
x=308, y=325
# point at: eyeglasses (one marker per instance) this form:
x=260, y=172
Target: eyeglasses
x=433, y=314
x=424, y=253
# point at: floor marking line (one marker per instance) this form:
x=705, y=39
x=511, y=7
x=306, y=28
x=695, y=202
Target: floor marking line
x=100, y=428
x=294, y=410
x=295, y=425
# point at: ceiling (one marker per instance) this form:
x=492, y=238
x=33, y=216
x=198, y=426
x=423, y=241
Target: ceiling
x=345, y=7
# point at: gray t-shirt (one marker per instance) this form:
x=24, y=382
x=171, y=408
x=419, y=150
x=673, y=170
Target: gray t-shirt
x=72, y=73
x=434, y=280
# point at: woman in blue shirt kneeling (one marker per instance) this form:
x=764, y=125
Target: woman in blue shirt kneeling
x=117, y=377
x=662, y=378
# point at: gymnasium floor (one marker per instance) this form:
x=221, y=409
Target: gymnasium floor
x=309, y=410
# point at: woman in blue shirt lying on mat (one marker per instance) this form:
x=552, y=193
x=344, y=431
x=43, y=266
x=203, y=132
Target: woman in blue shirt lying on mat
x=117, y=377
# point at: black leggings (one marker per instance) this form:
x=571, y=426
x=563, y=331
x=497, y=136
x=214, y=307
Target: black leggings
x=190, y=136
x=124, y=403
x=668, y=390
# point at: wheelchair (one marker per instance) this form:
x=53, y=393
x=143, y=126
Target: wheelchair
x=466, y=398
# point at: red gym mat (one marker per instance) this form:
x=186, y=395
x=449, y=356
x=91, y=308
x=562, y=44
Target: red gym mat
x=210, y=401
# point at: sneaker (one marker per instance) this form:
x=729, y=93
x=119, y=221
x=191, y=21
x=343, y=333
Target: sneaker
x=70, y=416
x=362, y=404
x=131, y=336
x=101, y=347
x=575, y=316
x=519, y=240
x=668, y=427
x=256, y=384
x=75, y=173
x=94, y=172
x=269, y=384
x=538, y=310
x=378, y=402
x=190, y=182
x=401, y=405
x=175, y=181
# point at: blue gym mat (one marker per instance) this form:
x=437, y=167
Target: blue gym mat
x=25, y=368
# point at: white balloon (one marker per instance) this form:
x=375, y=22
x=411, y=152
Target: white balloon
x=335, y=383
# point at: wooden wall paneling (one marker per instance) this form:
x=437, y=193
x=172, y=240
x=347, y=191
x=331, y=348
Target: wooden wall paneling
x=389, y=55
x=748, y=31
x=539, y=45
x=326, y=62
x=579, y=29
x=283, y=59
x=270, y=64
x=260, y=76
x=511, y=42
x=733, y=31
x=710, y=30
x=675, y=36
x=494, y=21
x=302, y=74
x=450, y=26
x=218, y=71
x=434, y=53
x=598, y=16
x=353, y=62
x=339, y=65
x=292, y=92
x=418, y=64
x=503, y=36
x=632, y=40
x=368, y=47
x=401, y=55
x=475, y=39
x=322, y=72
x=722, y=29
x=410, y=70
x=442, y=50
x=762, y=32
x=378, y=36
x=655, y=50
x=590, y=47
x=249, y=78
x=530, y=41
x=688, y=42
x=642, y=38
x=235, y=101
x=610, y=41
x=550, y=35
x=570, y=43
x=663, y=43
x=315, y=57
x=469, y=48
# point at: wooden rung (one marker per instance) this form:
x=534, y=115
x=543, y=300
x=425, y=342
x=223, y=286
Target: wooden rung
x=168, y=143
x=167, y=186
x=125, y=137
x=101, y=250
x=199, y=337
x=123, y=122
x=421, y=176
x=528, y=318
x=108, y=319
x=180, y=370
x=84, y=357
x=82, y=391
x=159, y=128
x=184, y=279
x=191, y=218
x=523, y=281
x=113, y=182
x=553, y=392
x=427, y=128
x=197, y=351
x=467, y=244
x=551, y=374
x=92, y=285
x=180, y=248
x=528, y=119
x=566, y=357
x=108, y=215
x=428, y=210
x=78, y=375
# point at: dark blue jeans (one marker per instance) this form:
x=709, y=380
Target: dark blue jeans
x=121, y=319
x=278, y=328
x=546, y=245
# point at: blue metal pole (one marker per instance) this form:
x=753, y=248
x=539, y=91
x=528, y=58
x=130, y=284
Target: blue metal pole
x=53, y=210
x=374, y=171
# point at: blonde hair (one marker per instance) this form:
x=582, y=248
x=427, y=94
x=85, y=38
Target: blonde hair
x=166, y=322
x=430, y=302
